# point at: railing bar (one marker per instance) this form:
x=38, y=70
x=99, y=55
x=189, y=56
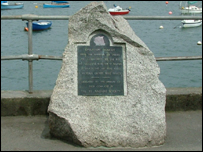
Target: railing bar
x=178, y=58
x=161, y=17
x=30, y=57
x=50, y=57
x=11, y=57
x=36, y=17
x=10, y=17
x=30, y=64
x=37, y=57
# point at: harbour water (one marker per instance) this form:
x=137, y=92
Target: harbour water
x=170, y=41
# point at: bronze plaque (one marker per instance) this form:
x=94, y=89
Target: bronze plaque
x=100, y=68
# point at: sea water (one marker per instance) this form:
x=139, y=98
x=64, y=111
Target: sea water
x=171, y=41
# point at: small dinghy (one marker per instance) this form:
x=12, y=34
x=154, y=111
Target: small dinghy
x=39, y=25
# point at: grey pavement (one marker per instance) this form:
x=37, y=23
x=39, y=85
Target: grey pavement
x=31, y=133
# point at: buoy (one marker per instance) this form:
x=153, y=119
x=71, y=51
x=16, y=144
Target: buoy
x=26, y=29
x=199, y=43
x=166, y=2
x=170, y=12
x=36, y=6
x=161, y=27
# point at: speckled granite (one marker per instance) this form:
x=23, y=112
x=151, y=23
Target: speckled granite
x=135, y=119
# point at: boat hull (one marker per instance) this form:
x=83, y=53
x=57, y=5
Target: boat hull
x=191, y=23
x=119, y=13
x=14, y=6
x=40, y=25
x=186, y=11
x=56, y=5
x=60, y=1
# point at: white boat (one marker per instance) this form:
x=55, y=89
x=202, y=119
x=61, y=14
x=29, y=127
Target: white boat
x=4, y=2
x=191, y=23
x=117, y=10
x=189, y=8
x=6, y=6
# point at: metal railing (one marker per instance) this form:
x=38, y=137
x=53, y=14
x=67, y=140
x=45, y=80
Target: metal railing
x=30, y=56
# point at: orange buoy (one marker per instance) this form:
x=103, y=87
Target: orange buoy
x=166, y=2
x=170, y=13
x=26, y=29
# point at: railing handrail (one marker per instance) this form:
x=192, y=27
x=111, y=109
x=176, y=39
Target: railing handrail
x=48, y=57
x=30, y=56
x=41, y=17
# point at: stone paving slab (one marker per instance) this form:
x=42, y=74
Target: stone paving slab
x=31, y=133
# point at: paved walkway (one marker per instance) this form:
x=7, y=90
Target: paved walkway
x=31, y=133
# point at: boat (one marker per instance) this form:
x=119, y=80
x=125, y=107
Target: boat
x=39, y=25
x=191, y=23
x=5, y=5
x=4, y=2
x=189, y=8
x=59, y=1
x=54, y=4
x=117, y=10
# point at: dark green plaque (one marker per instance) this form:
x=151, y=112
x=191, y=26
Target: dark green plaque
x=100, y=68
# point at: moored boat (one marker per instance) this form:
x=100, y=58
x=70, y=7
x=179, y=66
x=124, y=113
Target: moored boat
x=4, y=2
x=60, y=1
x=191, y=23
x=56, y=5
x=189, y=8
x=39, y=25
x=117, y=10
x=5, y=5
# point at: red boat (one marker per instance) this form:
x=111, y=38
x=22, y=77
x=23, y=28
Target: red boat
x=117, y=10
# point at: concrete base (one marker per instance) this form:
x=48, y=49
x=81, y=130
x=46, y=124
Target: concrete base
x=16, y=103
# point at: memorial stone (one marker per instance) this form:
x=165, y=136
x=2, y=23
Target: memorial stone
x=108, y=91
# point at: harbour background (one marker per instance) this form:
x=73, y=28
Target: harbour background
x=165, y=42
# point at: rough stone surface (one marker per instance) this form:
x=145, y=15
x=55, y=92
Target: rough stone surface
x=136, y=119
